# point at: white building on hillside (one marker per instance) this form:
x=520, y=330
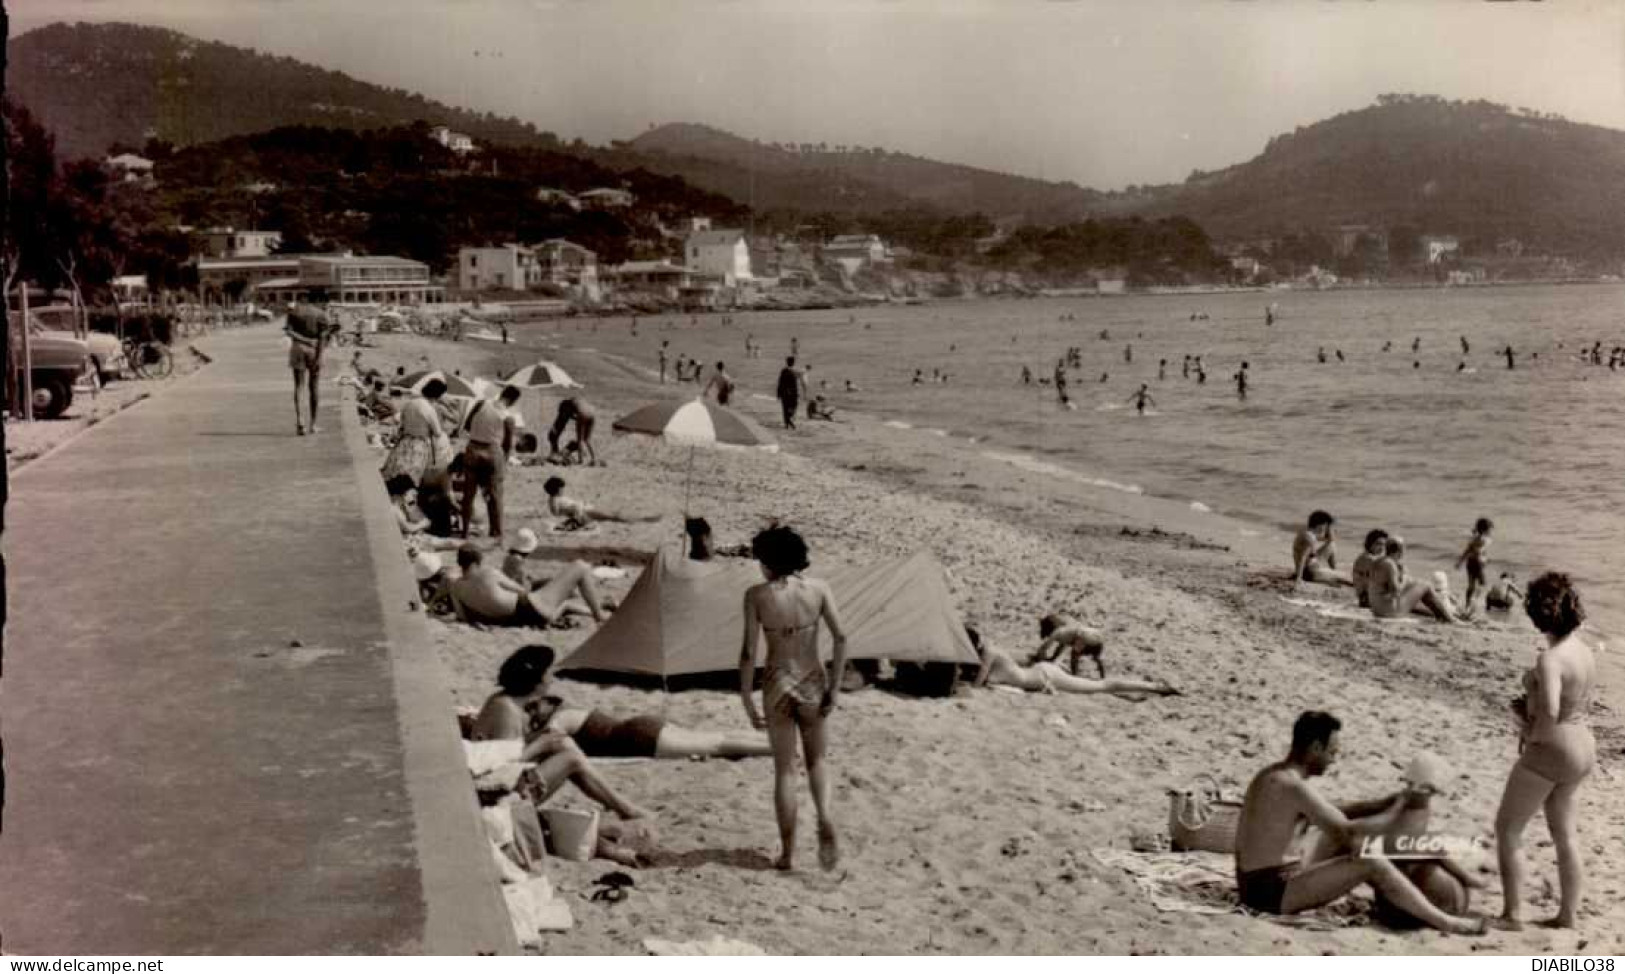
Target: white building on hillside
x=455, y=141
x=510, y=267
x=719, y=253
x=855, y=251
x=606, y=199
x=1436, y=246
x=226, y=242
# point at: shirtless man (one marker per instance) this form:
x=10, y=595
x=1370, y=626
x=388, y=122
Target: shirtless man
x=575, y=410
x=1062, y=632
x=722, y=384
x=1281, y=801
x=308, y=329
x=485, y=596
x=1313, y=552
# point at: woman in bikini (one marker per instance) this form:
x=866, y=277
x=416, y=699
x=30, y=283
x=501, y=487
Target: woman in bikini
x=797, y=691
x=1392, y=596
x=1557, y=750
x=998, y=668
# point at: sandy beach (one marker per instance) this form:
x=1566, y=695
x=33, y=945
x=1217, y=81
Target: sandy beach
x=974, y=824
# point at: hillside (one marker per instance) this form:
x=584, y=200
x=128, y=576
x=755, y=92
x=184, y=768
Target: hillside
x=1480, y=171
x=844, y=179
x=95, y=85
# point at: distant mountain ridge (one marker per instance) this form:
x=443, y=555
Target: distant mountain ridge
x=94, y=85
x=1480, y=171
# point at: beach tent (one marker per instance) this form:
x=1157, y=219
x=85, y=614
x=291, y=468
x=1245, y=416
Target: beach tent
x=685, y=617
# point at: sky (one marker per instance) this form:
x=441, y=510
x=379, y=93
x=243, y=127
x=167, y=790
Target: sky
x=1105, y=93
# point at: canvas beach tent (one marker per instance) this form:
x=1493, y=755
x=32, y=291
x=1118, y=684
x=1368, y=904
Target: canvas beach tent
x=686, y=617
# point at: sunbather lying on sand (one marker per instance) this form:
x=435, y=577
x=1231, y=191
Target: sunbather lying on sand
x=999, y=668
x=485, y=596
x=580, y=512
x=1062, y=632
x=519, y=710
x=1393, y=595
x=559, y=758
x=1280, y=800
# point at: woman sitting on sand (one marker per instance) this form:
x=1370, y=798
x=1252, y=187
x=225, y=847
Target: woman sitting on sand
x=1376, y=545
x=1393, y=597
x=524, y=680
x=422, y=444
x=1557, y=748
x=523, y=708
x=999, y=668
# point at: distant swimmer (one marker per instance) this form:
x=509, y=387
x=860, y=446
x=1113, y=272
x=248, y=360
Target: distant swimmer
x=1201, y=374
x=1461, y=366
x=1466, y=349
x=1416, y=365
x=1141, y=397
x=1511, y=362
x=1269, y=315
x=1387, y=346
x=1241, y=381
x=1104, y=376
x=953, y=348
x=1128, y=353
x=795, y=346
x=1416, y=344
x=1162, y=370
x=1186, y=370
x=1105, y=334
x=1340, y=355
x=851, y=386
x=1067, y=403
x=919, y=376
x=1026, y=376
x=1320, y=355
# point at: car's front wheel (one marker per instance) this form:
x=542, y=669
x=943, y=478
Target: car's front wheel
x=52, y=395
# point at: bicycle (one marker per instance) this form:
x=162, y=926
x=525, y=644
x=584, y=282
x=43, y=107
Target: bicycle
x=148, y=358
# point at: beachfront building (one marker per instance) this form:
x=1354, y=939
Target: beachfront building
x=1436, y=246
x=568, y=265
x=606, y=199
x=719, y=253
x=659, y=277
x=856, y=250
x=232, y=278
x=510, y=267
x=455, y=141
x=229, y=243
x=336, y=278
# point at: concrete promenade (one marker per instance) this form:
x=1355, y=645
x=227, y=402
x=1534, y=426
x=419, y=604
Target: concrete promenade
x=223, y=729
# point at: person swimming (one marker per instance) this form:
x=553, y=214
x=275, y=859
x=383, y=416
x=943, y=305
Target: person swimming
x=1140, y=398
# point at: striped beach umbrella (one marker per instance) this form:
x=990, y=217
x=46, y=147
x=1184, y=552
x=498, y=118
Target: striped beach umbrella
x=456, y=385
x=542, y=375
x=697, y=422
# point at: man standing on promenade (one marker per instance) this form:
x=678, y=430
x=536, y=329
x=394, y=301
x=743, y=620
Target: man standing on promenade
x=490, y=428
x=791, y=386
x=1270, y=879
x=308, y=329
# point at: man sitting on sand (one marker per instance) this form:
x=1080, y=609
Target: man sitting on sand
x=579, y=513
x=1280, y=801
x=1393, y=596
x=1062, y=632
x=1314, y=553
x=485, y=596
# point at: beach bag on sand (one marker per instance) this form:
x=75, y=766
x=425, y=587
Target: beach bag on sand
x=1201, y=818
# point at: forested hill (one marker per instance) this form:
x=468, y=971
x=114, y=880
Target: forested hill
x=854, y=179
x=96, y=85
x=1480, y=171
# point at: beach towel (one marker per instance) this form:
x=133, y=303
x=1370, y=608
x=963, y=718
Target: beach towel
x=572, y=526
x=1342, y=610
x=534, y=909
x=717, y=946
x=1204, y=883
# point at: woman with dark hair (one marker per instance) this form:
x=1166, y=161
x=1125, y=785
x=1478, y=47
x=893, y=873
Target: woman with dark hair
x=523, y=708
x=1393, y=596
x=1376, y=545
x=422, y=444
x=797, y=691
x=1556, y=748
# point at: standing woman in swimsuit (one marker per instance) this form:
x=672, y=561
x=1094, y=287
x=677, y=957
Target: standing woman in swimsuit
x=797, y=691
x=1556, y=745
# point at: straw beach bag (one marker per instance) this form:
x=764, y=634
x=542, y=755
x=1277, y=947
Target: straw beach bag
x=1201, y=818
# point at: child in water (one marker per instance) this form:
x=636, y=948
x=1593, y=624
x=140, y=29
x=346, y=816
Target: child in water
x=1141, y=397
x=1473, y=558
x=1503, y=595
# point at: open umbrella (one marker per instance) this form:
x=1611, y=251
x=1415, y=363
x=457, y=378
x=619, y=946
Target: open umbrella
x=456, y=385
x=696, y=422
x=542, y=375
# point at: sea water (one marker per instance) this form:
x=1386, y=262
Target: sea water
x=1407, y=441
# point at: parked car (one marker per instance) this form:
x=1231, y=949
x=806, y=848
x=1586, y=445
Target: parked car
x=58, y=363
x=106, y=353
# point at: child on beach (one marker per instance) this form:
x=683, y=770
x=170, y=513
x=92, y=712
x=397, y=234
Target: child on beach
x=798, y=693
x=581, y=514
x=1503, y=595
x=1473, y=558
x=1314, y=554
x=1060, y=631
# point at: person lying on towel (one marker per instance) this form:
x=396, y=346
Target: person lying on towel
x=523, y=708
